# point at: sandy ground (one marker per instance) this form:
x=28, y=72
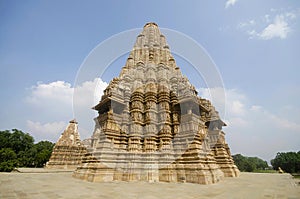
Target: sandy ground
x=62, y=185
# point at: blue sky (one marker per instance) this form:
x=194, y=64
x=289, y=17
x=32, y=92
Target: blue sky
x=254, y=44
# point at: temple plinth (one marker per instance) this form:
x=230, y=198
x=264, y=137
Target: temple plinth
x=152, y=126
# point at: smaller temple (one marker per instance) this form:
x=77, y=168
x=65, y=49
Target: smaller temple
x=218, y=145
x=68, y=151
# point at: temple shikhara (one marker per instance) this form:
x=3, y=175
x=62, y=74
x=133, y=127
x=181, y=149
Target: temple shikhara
x=68, y=152
x=152, y=126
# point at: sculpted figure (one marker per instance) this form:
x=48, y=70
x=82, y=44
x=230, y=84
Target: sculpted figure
x=176, y=129
x=166, y=106
x=162, y=117
x=202, y=133
x=148, y=105
x=135, y=104
x=147, y=115
x=168, y=119
x=175, y=117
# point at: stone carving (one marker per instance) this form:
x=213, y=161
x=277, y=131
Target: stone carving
x=171, y=134
x=68, y=152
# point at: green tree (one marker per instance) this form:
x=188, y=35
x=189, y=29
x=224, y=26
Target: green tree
x=239, y=161
x=8, y=159
x=26, y=158
x=4, y=139
x=44, y=150
x=20, y=141
x=7, y=166
x=17, y=149
x=259, y=163
x=7, y=154
x=44, y=145
x=288, y=162
x=249, y=164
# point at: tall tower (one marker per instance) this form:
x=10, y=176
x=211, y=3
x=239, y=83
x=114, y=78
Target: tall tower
x=152, y=126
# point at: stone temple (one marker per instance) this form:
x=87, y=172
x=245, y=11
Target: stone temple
x=68, y=151
x=153, y=127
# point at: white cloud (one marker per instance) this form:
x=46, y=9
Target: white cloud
x=279, y=28
x=246, y=24
x=283, y=123
x=290, y=15
x=255, y=108
x=237, y=108
x=267, y=18
x=252, y=22
x=62, y=92
x=89, y=93
x=269, y=26
x=242, y=24
x=58, y=91
x=230, y=3
x=63, y=102
x=46, y=131
x=252, y=34
x=238, y=122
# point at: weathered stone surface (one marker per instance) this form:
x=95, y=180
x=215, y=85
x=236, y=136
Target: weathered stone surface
x=153, y=127
x=68, y=152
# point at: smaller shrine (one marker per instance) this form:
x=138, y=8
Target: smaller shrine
x=68, y=152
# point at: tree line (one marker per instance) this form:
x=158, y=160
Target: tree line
x=288, y=161
x=17, y=149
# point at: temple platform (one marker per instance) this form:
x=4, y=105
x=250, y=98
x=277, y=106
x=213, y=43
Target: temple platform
x=62, y=185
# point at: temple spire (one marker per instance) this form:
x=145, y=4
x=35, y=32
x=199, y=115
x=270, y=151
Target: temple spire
x=151, y=47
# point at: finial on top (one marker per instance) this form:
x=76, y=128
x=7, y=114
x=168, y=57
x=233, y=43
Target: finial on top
x=74, y=121
x=150, y=24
